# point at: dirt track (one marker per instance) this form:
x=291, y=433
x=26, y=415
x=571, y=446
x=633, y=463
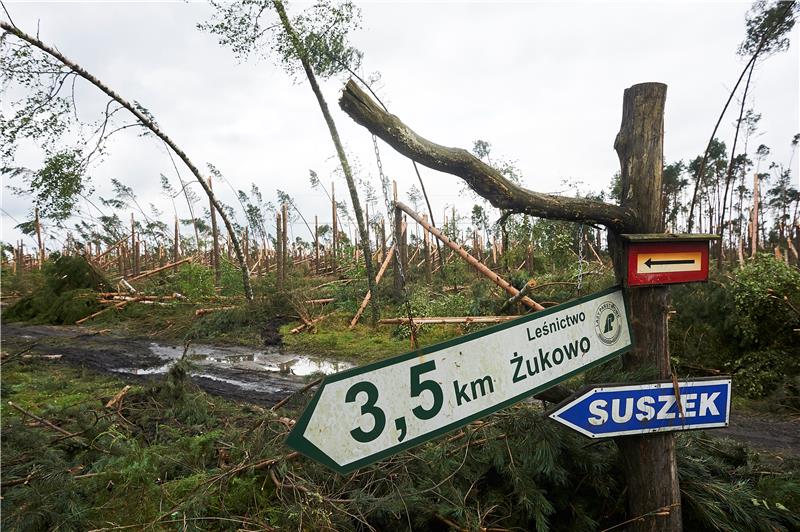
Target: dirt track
x=256, y=376
x=264, y=377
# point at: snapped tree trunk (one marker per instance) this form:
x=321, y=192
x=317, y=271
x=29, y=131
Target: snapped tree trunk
x=486, y=181
x=348, y=175
x=150, y=124
x=649, y=461
x=215, y=245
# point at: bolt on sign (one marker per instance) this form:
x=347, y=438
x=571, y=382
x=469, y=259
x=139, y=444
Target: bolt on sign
x=365, y=414
x=619, y=410
x=659, y=259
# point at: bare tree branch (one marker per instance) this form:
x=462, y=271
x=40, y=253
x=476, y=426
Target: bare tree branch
x=482, y=178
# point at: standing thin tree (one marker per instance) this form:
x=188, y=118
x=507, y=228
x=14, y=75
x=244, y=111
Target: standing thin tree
x=768, y=27
x=312, y=39
x=146, y=120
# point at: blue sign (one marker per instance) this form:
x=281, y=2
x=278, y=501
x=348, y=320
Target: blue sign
x=619, y=410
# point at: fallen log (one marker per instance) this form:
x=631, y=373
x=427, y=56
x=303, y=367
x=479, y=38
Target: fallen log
x=448, y=320
x=204, y=311
x=118, y=397
x=475, y=263
x=323, y=301
x=116, y=306
x=109, y=299
x=309, y=324
x=161, y=269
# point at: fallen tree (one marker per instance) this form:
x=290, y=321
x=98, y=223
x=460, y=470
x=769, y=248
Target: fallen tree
x=147, y=121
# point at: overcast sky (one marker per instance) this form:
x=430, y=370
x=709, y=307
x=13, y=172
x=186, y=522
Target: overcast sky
x=542, y=82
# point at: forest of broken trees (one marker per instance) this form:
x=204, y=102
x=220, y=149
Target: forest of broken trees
x=378, y=272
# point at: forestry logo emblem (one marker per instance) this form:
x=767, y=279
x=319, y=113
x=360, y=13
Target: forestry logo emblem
x=608, y=323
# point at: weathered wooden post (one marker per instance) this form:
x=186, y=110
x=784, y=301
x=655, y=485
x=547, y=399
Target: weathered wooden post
x=650, y=467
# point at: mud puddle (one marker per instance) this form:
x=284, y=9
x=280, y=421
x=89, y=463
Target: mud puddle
x=225, y=364
x=264, y=375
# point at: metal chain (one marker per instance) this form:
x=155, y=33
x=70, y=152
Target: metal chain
x=398, y=262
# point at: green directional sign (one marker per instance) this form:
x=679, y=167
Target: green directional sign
x=365, y=414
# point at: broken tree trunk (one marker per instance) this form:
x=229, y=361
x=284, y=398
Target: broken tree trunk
x=530, y=285
x=278, y=253
x=38, y=223
x=215, y=243
x=309, y=325
x=482, y=178
x=204, y=311
x=427, y=252
x=115, y=307
x=649, y=460
x=472, y=261
x=161, y=269
x=378, y=278
x=448, y=320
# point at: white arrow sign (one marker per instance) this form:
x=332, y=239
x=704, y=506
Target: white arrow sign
x=365, y=414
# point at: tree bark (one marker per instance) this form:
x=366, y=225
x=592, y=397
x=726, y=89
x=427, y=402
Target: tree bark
x=649, y=461
x=482, y=178
x=150, y=124
x=351, y=185
x=754, y=217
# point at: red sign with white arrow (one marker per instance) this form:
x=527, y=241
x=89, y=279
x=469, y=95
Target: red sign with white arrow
x=654, y=263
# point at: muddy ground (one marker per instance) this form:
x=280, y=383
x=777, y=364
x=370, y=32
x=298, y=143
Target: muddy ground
x=268, y=375
x=262, y=376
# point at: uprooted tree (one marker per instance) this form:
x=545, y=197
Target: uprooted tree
x=650, y=461
x=144, y=119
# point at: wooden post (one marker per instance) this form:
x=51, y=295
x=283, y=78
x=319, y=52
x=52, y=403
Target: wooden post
x=39, y=238
x=649, y=461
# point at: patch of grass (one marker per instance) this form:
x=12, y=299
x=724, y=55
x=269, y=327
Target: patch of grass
x=364, y=344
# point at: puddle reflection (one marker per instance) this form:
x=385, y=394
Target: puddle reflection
x=209, y=357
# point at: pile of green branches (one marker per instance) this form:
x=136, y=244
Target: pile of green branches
x=171, y=454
